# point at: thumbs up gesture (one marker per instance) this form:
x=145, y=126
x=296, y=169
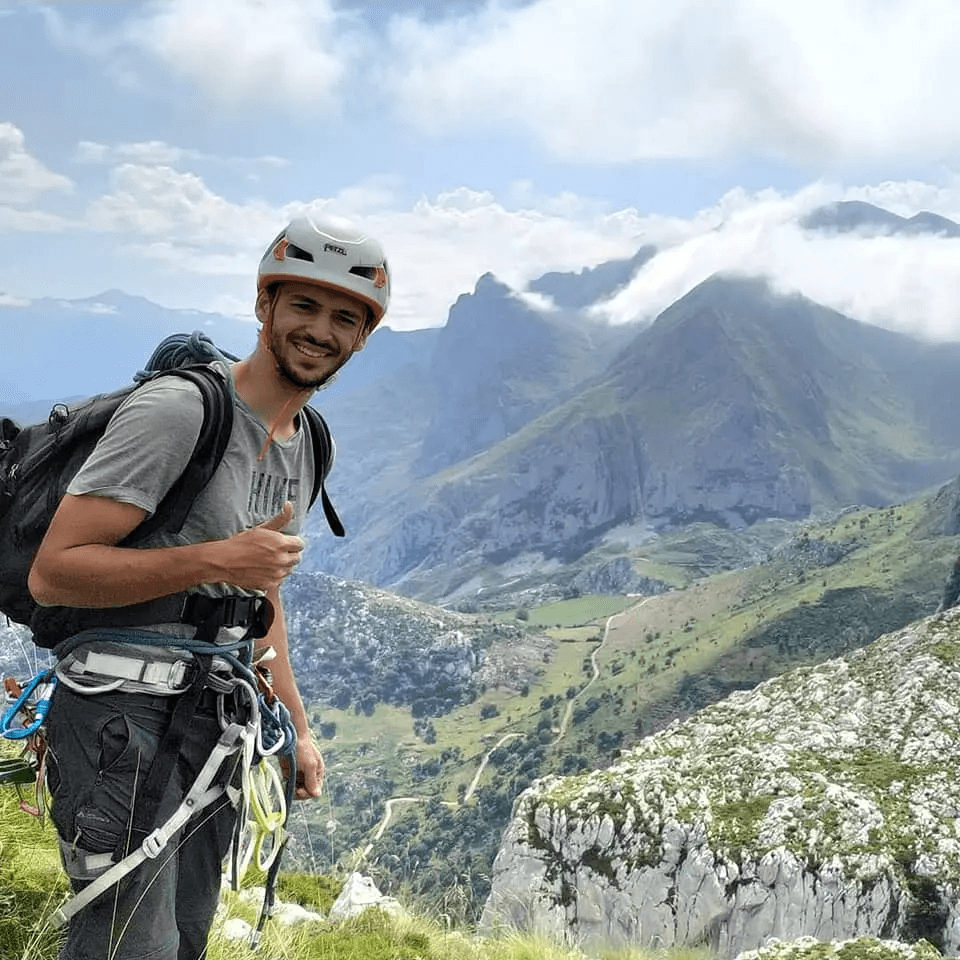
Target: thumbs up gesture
x=280, y=521
x=259, y=558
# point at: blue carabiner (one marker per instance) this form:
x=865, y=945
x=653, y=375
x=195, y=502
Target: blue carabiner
x=43, y=684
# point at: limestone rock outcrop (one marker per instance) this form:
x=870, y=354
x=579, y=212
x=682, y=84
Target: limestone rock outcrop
x=823, y=803
x=863, y=948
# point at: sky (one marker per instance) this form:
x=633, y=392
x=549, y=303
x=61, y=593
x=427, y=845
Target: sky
x=157, y=146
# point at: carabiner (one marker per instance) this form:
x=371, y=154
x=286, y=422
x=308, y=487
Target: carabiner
x=42, y=687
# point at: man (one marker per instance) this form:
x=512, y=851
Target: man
x=322, y=288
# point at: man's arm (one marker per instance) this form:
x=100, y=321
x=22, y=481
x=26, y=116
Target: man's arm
x=309, y=760
x=80, y=565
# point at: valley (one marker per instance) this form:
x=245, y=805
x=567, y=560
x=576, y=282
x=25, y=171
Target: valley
x=568, y=684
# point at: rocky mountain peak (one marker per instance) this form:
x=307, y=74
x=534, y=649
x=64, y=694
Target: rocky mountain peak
x=823, y=803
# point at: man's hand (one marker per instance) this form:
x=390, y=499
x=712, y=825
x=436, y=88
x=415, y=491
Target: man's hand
x=262, y=557
x=80, y=565
x=309, y=769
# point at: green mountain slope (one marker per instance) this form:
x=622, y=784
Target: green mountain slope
x=589, y=676
x=735, y=405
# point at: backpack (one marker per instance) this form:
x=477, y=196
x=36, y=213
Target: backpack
x=38, y=462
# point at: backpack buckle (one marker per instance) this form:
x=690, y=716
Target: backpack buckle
x=252, y=613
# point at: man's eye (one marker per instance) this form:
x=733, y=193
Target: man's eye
x=347, y=318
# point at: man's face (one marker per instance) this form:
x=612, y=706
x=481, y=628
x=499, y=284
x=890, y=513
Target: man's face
x=315, y=331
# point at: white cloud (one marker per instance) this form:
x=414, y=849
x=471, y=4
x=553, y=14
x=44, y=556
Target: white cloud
x=906, y=283
x=96, y=307
x=437, y=249
x=822, y=82
x=159, y=153
x=8, y=300
x=148, y=152
x=23, y=178
x=287, y=52
x=30, y=221
x=160, y=202
x=440, y=246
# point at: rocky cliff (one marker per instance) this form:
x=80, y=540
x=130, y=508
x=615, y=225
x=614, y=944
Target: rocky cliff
x=823, y=803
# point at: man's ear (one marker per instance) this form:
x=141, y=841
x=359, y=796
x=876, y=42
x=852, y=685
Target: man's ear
x=262, y=307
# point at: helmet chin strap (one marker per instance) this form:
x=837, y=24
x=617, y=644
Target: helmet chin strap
x=281, y=418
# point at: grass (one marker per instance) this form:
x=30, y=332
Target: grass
x=32, y=885
x=31, y=881
x=577, y=612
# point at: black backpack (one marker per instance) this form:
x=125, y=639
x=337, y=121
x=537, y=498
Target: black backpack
x=38, y=462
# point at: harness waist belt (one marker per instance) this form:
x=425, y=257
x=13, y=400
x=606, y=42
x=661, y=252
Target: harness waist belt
x=172, y=676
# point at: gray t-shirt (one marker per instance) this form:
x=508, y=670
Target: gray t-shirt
x=150, y=440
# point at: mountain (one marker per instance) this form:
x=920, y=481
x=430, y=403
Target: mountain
x=735, y=405
x=820, y=804
x=498, y=364
x=856, y=215
x=576, y=291
x=518, y=437
x=69, y=348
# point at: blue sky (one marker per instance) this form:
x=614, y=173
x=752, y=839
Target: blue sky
x=156, y=146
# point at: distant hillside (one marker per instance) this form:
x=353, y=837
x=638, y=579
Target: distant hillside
x=574, y=291
x=67, y=348
x=734, y=405
x=584, y=678
x=519, y=439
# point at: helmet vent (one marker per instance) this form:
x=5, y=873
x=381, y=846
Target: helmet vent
x=298, y=253
x=367, y=272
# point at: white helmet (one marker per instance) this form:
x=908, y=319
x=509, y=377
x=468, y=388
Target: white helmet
x=330, y=253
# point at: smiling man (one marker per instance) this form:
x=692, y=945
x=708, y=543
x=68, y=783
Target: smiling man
x=322, y=288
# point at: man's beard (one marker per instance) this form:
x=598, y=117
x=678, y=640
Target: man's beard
x=301, y=383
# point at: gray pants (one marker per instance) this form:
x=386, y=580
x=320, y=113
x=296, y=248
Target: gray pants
x=100, y=749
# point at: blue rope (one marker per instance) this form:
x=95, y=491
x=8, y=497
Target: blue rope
x=276, y=723
x=182, y=349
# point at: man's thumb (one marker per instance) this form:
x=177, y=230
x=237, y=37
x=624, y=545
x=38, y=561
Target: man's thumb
x=281, y=519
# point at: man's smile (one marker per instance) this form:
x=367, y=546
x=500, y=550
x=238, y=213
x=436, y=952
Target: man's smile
x=309, y=350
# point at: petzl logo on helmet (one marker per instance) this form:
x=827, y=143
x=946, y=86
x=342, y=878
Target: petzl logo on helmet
x=379, y=277
x=280, y=250
x=334, y=248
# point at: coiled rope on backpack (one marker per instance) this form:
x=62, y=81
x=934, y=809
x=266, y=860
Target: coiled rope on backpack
x=180, y=350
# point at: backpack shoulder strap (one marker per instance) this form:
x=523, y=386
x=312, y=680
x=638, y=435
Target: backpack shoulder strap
x=171, y=512
x=323, y=453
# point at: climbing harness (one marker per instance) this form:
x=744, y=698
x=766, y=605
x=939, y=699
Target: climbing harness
x=255, y=728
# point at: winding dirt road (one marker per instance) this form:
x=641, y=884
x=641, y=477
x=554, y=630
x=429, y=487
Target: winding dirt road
x=564, y=724
x=568, y=713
